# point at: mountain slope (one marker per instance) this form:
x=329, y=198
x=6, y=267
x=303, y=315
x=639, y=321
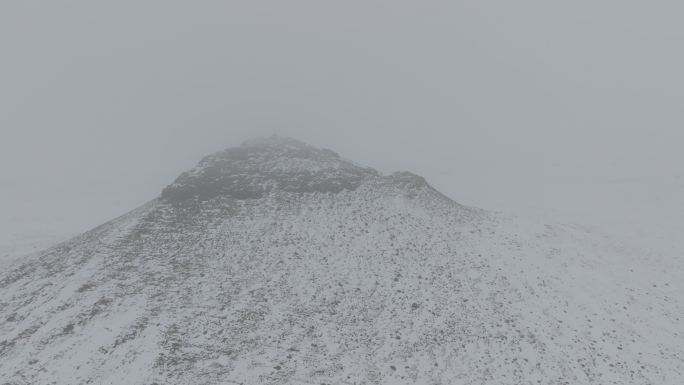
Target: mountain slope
x=279, y=263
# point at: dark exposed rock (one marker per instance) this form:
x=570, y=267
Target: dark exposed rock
x=258, y=167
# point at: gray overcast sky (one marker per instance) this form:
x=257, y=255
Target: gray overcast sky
x=572, y=106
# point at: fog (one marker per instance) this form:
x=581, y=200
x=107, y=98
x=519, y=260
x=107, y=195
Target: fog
x=566, y=109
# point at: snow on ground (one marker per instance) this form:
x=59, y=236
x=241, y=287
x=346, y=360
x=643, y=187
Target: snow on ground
x=30, y=223
x=387, y=282
x=366, y=287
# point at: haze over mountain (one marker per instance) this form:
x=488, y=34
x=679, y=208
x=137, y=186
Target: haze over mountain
x=276, y=262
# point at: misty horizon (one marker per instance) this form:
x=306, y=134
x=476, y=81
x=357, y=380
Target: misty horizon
x=527, y=107
x=556, y=128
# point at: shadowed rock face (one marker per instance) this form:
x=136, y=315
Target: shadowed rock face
x=257, y=167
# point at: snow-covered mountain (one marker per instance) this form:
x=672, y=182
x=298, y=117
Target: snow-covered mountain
x=279, y=263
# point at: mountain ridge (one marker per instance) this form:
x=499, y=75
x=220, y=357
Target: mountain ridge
x=375, y=280
x=258, y=166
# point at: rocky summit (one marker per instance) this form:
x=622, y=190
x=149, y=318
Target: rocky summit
x=276, y=262
x=265, y=165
